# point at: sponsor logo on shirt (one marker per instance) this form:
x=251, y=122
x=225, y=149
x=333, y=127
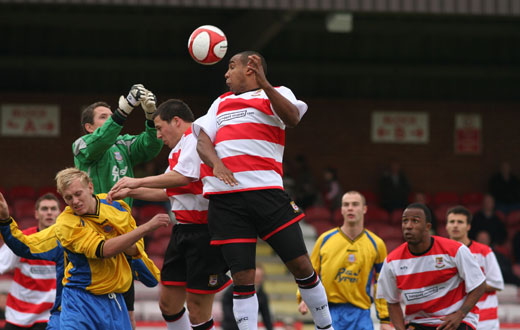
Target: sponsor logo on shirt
x=118, y=156
x=345, y=275
x=421, y=294
x=439, y=262
x=231, y=115
x=295, y=207
x=213, y=280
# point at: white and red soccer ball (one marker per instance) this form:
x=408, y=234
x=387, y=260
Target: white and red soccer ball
x=207, y=44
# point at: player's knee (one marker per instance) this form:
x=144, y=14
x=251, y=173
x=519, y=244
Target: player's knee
x=244, y=277
x=300, y=267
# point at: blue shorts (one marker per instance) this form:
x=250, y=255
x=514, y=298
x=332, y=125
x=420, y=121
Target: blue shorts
x=54, y=321
x=83, y=310
x=350, y=317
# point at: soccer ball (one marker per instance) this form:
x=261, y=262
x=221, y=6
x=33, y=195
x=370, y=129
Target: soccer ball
x=207, y=44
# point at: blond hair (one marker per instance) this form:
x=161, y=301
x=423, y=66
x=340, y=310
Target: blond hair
x=65, y=177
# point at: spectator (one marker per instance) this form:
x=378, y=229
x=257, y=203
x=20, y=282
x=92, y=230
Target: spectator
x=487, y=219
x=505, y=264
x=332, y=191
x=394, y=188
x=504, y=186
x=305, y=184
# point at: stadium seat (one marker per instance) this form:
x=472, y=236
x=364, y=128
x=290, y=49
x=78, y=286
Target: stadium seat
x=23, y=207
x=370, y=197
x=512, y=219
x=158, y=260
x=473, y=208
x=392, y=244
x=472, y=198
x=157, y=246
x=162, y=232
x=396, y=216
x=412, y=197
x=441, y=230
x=322, y=226
x=377, y=214
x=21, y=192
x=445, y=198
x=386, y=231
x=317, y=214
x=147, y=212
x=26, y=222
x=337, y=217
x=440, y=213
x=48, y=189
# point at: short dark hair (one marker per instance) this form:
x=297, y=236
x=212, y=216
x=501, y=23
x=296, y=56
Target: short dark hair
x=426, y=210
x=87, y=115
x=244, y=58
x=174, y=108
x=47, y=196
x=459, y=209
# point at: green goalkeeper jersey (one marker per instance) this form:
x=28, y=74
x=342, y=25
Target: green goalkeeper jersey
x=107, y=156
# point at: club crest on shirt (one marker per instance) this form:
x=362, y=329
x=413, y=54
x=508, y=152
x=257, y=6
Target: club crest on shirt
x=213, y=280
x=439, y=262
x=118, y=156
x=108, y=228
x=295, y=207
x=351, y=258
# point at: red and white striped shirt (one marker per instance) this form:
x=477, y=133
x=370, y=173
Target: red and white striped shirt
x=188, y=204
x=249, y=138
x=433, y=284
x=488, y=303
x=33, y=289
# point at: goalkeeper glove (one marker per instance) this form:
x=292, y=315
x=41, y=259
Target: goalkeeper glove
x=148, y=102
x=127, y=104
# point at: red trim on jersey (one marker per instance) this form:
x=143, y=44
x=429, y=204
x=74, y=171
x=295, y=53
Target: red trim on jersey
x=174, y=159
x=173, y=283
x=243, y=293
x=228, y=283
x=225, y=95
x=240, y=190
x=434, y=305
x=194, y=188
x=232, y=104
x=251, y=131
x=244, y=163
x=488, y=314
x=232, y=240
x=425, y=279
x=191, y=216
x=31, y=283
x=38, y=262
x=298, y=218
x=26, y=307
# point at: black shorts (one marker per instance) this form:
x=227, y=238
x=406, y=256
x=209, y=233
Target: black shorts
x=191, y=261
x=243, y=216
x=416, y=326
x=129, y=297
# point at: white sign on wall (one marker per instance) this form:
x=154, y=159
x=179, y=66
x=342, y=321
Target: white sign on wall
x=468, y=133
x=400, y=127
x=30, y=120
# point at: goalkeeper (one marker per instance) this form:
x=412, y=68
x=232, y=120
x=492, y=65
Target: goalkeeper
x=107, y=156
x=104, y=154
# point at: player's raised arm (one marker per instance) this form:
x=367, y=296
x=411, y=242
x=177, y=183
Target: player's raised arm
x=209, y=156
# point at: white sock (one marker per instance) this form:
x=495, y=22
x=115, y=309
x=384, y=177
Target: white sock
x=182, y=323
x=315, y=298
x=246, y=313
